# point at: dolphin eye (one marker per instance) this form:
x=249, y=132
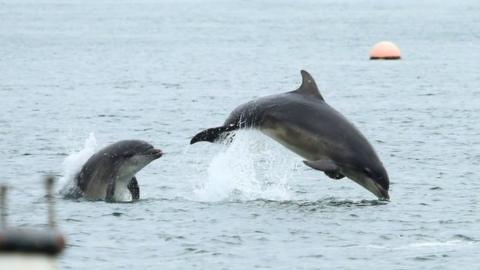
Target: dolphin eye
x=367, y=171
x=128, y=155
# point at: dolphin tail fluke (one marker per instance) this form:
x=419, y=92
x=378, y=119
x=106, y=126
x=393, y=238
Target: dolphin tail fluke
x=211, y=134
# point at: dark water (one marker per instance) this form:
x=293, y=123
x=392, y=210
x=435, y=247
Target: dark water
x=163, y=70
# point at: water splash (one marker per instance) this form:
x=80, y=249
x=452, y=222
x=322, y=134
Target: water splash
x=249, y=166
x=74, y=161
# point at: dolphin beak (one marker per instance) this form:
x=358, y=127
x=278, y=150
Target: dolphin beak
x=384, y=193
x=157, y=153
x=372, y=186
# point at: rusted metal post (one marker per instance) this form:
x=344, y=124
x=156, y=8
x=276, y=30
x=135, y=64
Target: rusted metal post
x=49, y=182
x=3, y=206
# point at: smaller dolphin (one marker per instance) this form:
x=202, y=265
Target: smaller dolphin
x=110, y=172
x=303, y=122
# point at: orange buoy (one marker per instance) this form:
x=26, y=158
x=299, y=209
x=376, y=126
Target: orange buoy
x=385, y=50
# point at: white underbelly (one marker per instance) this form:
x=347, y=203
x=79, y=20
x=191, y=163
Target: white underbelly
x=122, y=194
x=302, y=144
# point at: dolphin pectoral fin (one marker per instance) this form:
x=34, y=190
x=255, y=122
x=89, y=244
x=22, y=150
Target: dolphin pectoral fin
x=327, y=166
x=334, y=174
x=110, y=196
x=212, y=134
x=134, y=189
x=324, y=165
x=308, y=87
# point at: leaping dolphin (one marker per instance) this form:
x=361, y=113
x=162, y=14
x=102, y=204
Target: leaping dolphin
x=303, y=122
x=109, y=173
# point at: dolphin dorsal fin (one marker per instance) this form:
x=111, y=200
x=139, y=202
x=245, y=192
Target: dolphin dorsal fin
x=308, y=87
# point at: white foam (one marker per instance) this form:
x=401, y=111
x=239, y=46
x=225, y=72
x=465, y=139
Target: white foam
x=251, y=167
x=74, y=161
x=425, y=245
x=438, y=244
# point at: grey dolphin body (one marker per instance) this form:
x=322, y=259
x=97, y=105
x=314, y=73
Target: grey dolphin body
x=111, y=171
x=303, y=122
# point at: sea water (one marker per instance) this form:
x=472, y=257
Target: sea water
x=161, y=71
